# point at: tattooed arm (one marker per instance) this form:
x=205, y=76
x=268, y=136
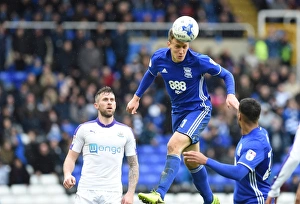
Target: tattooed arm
x=133, y=179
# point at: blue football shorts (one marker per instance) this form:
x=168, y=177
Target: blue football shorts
x=191, y=123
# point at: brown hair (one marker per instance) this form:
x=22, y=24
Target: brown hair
x=105, y=89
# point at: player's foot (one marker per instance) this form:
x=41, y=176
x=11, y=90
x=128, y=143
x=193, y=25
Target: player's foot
x=150, y=198
x=216, y=200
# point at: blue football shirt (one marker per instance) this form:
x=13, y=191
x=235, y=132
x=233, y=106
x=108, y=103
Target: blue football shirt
x=185, y=82
x=254, y=151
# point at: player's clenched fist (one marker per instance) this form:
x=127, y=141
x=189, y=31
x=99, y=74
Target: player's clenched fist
x=69, y=181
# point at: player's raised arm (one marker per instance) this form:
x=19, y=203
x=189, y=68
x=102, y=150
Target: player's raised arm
x=133, y=104
x=232, y=101
x=146, y=81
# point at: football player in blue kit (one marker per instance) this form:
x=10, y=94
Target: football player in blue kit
x=183, y=70
x=253, y=157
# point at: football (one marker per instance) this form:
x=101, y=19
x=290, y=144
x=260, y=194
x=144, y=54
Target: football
x=185, y=29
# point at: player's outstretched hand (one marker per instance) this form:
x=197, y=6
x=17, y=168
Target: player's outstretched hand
x=69, y=181
x=133, y=105
x=270, y=200
x=196, y=157
x=232, y=101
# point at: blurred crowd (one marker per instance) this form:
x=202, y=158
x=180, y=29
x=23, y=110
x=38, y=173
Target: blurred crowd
x=277, y=4
x=65, y=68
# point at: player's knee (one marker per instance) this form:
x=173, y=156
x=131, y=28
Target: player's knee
x=190, y=165
x=174, y=149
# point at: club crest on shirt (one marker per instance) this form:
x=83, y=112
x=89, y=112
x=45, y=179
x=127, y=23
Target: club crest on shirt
x=187, y=72
x=120, y=134
x=250, y=155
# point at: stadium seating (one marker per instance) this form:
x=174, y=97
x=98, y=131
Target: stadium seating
x=19, y=189
x=41, y=199
x=36, y=189
x=13, y=78
x=43, y=189
x=47, y=179
x=4, y=190
x=24, y=199
x=7, y=199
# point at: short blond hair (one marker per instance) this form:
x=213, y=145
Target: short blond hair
x=170, y=35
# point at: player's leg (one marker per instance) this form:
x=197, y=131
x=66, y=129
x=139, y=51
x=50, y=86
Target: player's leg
x=175, y=146
x=196, y=122
x=200, y=178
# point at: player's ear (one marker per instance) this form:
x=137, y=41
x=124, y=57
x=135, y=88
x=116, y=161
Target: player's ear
x=168, y=43
x=239, y=116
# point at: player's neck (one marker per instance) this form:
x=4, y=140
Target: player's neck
x=247, y=128
x=105, y=120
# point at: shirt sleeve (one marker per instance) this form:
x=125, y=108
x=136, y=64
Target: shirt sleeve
x=78, y=140
x=252, y=155
x=130, y=146
x=146, y=81
x=229, y=80
x=217, y=70
x=236, y=172
x=292, y=161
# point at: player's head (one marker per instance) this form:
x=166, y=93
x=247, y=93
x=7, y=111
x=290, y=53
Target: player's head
x=178, y=48
x=249, y=111
x=105, y=102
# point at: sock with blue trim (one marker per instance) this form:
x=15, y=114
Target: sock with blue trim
x=200, y=180
x=169, y=174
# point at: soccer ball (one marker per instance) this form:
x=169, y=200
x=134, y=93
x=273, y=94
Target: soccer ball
x=185, y=29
